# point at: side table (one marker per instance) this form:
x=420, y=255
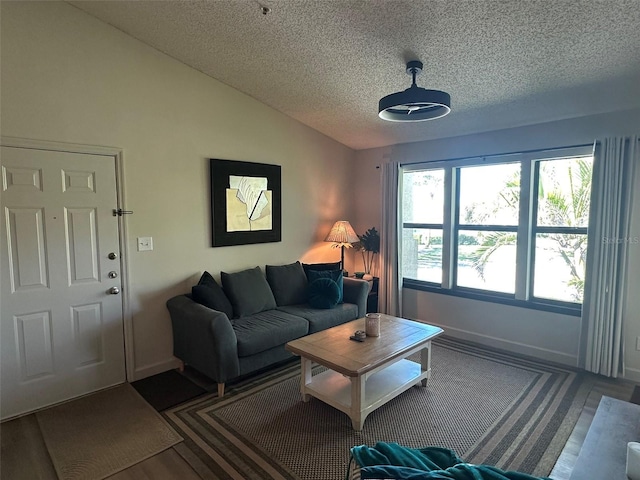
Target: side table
x=372, y=299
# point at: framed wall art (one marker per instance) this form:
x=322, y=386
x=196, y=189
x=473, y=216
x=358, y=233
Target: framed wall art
x=245, y=203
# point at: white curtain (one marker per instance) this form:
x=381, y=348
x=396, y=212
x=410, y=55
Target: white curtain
x=389, y=289
x=609, y=228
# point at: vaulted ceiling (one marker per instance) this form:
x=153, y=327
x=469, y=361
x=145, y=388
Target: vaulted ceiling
x=327, y=63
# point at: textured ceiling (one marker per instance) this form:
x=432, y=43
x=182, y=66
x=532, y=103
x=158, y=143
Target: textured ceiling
x=327, y=63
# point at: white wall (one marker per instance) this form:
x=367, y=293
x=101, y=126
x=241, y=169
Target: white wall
x=542, y=334
x=68, y=77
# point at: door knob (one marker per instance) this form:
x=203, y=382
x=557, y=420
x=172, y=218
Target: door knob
x=112, y=256
x=114, y=290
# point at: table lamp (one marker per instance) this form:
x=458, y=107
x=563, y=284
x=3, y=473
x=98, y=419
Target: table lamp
x=342, y=235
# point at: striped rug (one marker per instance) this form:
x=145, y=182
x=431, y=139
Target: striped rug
x=489, y=407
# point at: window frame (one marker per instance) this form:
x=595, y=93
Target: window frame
x=458, y=227
x=536, y=229
x=526, y=229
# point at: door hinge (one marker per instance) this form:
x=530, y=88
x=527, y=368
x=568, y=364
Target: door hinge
x=120, y=212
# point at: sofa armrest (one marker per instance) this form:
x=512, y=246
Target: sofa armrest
x=356, y=290
x=204, y=338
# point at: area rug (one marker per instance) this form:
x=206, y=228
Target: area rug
x=491, y=408
x=167, y=389
x=101, y=434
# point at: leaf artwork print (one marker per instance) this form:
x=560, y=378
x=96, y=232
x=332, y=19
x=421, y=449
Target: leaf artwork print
x=249, y=204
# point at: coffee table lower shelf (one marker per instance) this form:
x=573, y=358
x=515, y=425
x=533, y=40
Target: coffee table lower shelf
x=359, y=396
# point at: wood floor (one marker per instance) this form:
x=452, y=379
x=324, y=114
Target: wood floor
x=24, y=455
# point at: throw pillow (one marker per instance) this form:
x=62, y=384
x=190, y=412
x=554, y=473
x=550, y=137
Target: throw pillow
x=320, y=266
x=288, y=283
x=211, y=295
x=323, y=293
x=207, y=279
x=248, y=291
x=392, y=472
x=335, y=275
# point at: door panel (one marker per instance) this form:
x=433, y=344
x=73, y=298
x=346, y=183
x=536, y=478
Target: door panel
x=61, y=331
x=35, y=345
x=24, y=179
x=81, y=245
x=27, y=266
x=87, y=334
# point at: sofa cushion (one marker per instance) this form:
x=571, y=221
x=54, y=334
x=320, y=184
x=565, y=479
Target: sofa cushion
x=323, y=319
x=248, y=291
x=265, y=330
x=211, y=295
x=323, y=293
x=335, y=275
x=288, y=283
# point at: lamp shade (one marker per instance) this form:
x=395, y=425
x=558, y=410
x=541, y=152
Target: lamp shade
x=342, y=233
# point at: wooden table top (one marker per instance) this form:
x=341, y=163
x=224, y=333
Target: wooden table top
x=333, y=349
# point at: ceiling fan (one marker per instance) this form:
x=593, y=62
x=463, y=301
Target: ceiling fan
x=414, y=104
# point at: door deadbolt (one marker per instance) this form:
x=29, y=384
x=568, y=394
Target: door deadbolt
x=113, y=274
x=112, y=256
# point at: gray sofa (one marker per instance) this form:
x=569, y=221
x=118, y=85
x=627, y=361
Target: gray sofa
x=239, y=328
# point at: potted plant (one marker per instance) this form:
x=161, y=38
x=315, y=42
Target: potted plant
x=369, y=245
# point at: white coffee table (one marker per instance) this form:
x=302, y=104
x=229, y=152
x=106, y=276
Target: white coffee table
x=364, y=376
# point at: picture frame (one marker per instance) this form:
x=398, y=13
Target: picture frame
x=246, y=202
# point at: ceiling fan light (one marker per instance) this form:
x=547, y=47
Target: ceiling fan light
x=415, y=104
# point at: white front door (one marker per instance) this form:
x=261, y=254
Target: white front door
x=61, y=325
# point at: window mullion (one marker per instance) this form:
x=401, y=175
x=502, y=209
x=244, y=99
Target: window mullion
x=525, y=234
x=448, y=228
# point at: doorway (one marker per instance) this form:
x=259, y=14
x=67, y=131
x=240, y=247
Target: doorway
x=62, y=324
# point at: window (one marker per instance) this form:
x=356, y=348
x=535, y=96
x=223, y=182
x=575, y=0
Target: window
x=560, y=229
x=511, y=228
x=422, y=216
x=486, y=227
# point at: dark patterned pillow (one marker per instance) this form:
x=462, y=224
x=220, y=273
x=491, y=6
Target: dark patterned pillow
x=335, y=275
x=207, y=279
x=323, y=293
x=211, y=295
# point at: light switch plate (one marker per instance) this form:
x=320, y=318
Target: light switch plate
x=145, y=244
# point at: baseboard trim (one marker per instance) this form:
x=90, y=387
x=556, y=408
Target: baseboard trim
x=155, y=368
x=509, y=345
x=632, y=374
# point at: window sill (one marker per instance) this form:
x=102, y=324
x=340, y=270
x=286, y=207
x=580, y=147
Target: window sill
x=504, y=299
